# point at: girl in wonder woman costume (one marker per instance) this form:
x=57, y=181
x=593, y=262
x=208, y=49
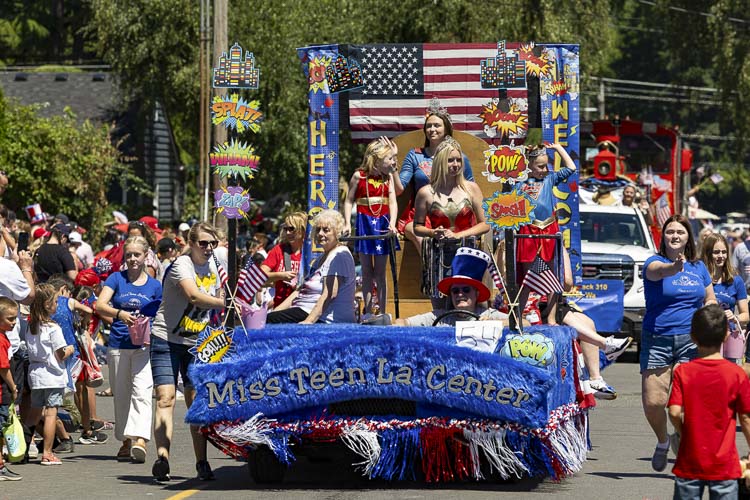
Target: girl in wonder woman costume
x=371, y=188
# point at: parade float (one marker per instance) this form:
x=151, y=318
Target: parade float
x=475, y=402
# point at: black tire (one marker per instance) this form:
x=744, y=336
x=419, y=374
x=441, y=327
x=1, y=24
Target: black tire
x=457, y=312
x=264, y=467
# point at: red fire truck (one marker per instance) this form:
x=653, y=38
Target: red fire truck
x=652, y=156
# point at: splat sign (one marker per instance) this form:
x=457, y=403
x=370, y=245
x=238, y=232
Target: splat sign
x=505, y=164
x=508, y=210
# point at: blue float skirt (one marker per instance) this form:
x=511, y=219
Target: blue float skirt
x=372, y=226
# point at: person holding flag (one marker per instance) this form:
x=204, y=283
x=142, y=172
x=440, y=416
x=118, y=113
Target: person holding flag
x=192, y=289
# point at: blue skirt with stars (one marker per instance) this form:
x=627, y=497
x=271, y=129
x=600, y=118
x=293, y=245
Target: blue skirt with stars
x=371, y=226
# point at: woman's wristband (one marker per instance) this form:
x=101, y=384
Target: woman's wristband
x=117, y=316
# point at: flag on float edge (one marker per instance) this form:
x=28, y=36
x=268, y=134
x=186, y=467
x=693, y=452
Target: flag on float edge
x=540, y=278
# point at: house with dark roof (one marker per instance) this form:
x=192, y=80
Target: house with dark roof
x=142, y=135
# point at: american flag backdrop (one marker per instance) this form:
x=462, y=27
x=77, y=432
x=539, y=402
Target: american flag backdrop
x=541, y=279
x=400, y=80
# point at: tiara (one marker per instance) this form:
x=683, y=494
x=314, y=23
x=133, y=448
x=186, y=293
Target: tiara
x=435, y=108
x=448, y=142
x=536, y=152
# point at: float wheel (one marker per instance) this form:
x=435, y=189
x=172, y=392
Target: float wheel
x=264, y=467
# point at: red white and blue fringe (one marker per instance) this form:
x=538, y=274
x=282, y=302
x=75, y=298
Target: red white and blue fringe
x=443, y=449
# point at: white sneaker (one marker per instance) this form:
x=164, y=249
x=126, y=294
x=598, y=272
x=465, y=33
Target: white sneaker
x=613, y=347
x=602, y=390
x=33, y=450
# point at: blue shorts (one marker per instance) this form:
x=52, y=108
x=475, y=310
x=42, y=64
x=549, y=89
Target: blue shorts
x=693, y=488
x=661, y=351
x=168, y=360
x=47, y=398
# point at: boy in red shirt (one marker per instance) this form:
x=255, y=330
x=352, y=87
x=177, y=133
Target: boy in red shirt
x=8, y=389
x=707, y=394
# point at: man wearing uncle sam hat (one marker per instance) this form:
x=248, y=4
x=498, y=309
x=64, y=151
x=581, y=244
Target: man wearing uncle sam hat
x=464, y=288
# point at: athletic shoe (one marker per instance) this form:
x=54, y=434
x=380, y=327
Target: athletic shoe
x=659, y=459
x=602, y=390
x=160, y=470
x=51, y=460
x=32, y=451
x=93, y=437
x=613, y=347
x=8, y=475
x=204, y=471
x=65, y=446
x=101, y=425
x=674, y=443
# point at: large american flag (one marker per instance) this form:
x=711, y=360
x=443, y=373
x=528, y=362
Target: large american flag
x=663, y=212
x=400, y=80
x=541, y=279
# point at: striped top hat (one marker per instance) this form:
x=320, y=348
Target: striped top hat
x=35, y=213
x=467, y=268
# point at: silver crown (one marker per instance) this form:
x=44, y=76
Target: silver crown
x=448, y=141
x=536, y=152
x=434, y=108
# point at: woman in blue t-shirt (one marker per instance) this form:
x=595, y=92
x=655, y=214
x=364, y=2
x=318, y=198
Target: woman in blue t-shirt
x=123, y=296
x=676, y=284
x=728, y=287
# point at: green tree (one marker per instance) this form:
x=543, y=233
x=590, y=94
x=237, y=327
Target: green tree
x=64, y=165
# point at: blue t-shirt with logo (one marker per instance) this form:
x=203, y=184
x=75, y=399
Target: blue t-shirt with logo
x=727, y=294
x=671, y=302
x=64, y=317
x=130, y=298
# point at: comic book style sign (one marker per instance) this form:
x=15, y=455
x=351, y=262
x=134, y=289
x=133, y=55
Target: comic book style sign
x=342, y=74
x=235, y=71
x=214, y=345
x=508, y=210
x=235, y=159
x=503, y=71
x=235, y=113
x=513, y=123
x=505, y=164
x=233, y=202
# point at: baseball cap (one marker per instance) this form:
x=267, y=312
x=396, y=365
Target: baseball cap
x=166, y=244
x=40, y=232
x=75, y=237
x=62, y=218
x=183, y=227
x=63, y=228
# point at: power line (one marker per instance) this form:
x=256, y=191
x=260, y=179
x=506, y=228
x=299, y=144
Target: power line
x=704, y=14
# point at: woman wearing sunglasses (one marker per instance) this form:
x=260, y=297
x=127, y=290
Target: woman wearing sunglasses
x=282, y=263
x=464, y=288
x=191, y=291
x=327, y=293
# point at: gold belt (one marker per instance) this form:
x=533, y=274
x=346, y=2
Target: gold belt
x=372, y=200
x=541, y=224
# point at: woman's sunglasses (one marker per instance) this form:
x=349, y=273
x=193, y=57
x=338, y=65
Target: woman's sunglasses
x=288, y=228
x=205, y=243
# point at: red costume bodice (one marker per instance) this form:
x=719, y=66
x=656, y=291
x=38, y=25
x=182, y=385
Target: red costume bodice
x=456, y=216
x=371, y=195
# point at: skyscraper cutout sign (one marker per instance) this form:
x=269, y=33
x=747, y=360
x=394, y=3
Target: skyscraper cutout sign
x=235, y=71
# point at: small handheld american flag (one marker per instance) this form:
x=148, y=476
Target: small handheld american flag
x=663, y=212
x=250, y=280
x=496, y=278
x=541, y=279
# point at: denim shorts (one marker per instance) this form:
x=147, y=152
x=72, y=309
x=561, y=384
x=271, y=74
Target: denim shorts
x=168, y=360
x=693, y=488
x=47, y=398
x=661, y=351
x=4, y=412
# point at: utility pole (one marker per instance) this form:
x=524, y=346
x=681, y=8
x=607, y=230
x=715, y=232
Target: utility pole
x=205, y=127
x=600, y=100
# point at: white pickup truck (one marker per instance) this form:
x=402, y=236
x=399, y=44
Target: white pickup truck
x=615, y=243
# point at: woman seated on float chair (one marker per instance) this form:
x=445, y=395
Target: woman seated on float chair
x=558, y=311
x=464, y=288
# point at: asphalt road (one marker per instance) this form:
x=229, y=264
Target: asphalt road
x=618, y=467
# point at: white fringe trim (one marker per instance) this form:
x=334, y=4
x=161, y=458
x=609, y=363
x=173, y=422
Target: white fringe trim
x=499, y=455
x=364, y=442
x=569, y=442
x=255, y=431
